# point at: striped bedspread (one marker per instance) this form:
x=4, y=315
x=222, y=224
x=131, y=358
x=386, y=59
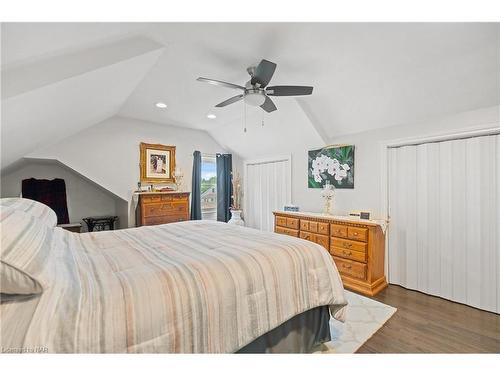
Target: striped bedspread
x=192, y=287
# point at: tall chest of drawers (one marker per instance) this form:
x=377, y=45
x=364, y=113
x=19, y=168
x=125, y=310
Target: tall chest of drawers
x=161, y=208
x=357, y=246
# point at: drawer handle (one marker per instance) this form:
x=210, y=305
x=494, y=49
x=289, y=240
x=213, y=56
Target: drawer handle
x=346, y=266
x=346, y=244
x=347, y=253
x=355, y=233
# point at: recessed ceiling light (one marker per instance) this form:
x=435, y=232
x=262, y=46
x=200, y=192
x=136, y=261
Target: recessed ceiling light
x=161, y=105
x=211, y=116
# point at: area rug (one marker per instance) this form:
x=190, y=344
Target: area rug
x=364, y=317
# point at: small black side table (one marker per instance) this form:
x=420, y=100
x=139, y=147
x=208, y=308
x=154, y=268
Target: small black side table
x=99, y=223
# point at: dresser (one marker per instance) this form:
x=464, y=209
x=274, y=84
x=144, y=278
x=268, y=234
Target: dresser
x=356, y=246
x=161, y=208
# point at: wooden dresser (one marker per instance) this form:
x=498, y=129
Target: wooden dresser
x=161, y=208
x=356, y=246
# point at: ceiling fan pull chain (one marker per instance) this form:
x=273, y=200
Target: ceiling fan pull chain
x=262, y=118
x=244, y=117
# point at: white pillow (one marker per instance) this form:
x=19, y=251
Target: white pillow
x=36, y=209
x=24, y=251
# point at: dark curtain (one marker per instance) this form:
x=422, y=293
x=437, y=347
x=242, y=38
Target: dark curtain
x=224, y=186
x=49, y=192
x=196, y=188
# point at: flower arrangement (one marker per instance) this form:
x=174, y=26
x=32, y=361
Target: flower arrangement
x=237, y=193
x=327, y=194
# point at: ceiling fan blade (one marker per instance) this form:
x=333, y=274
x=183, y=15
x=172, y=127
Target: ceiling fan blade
x=230, y=100
x=289, y=90
x=220, y=83
x=268, y=105
x=263, y=73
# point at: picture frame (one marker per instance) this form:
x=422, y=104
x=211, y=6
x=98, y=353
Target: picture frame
x=332, y=164
x=157, y=163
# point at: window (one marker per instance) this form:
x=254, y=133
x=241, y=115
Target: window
x=208, y=188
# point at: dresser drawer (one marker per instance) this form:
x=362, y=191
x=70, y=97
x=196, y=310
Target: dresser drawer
x=338, y=230
x=164, y=220
x=359, y=234
x=288, y=231
x=348, y=244
x=304, y=225
x=156, y=220
x=349, y=268
x=323, y=228
x=292, y=223
x=281, y=221
x=174, y=197
x=322, y=240
x=308, y=236
x=165, y=208
x=150, y=199
x=313, y=226
x=348, y=254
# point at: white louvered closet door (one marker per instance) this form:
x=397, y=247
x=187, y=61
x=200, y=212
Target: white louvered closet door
x=267, y=188
x=444, y=208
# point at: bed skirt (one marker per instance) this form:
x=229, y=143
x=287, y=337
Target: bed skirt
x=298, y=335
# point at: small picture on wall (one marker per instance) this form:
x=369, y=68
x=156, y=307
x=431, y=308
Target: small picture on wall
x=332, y=164
x=157, y=163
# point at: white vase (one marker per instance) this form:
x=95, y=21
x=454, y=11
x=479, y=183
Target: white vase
x=236, y=218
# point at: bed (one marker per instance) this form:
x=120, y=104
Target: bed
x=190, y=287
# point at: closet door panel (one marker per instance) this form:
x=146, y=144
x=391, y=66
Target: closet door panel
x=444, y=219
x=459, y=223
x=445, y=234
x=268, y=189
x=473, y=226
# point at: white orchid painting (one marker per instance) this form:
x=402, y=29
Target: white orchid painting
x=334, y=165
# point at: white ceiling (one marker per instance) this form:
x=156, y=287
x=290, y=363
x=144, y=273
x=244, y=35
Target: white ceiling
x=365, y=76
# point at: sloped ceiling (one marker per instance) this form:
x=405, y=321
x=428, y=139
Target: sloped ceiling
x=366, y=76
x=48, y=99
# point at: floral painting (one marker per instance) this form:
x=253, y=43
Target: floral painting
x=331, y=164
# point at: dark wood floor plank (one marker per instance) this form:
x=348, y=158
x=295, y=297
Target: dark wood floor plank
x=427, y=324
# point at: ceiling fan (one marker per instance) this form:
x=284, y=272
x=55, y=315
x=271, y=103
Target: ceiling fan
x=255, y=91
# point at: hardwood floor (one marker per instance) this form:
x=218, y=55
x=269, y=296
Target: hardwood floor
x=426, y=324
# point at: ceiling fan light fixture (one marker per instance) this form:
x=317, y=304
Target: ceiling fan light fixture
x=256, y=92
x=255, y=99
x=161, y=105
x=211, y=116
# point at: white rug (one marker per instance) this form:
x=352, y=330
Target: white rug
x=364, y=317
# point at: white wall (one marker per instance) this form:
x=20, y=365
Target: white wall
x=108, y=153
x=84, y=198
x=366, y=194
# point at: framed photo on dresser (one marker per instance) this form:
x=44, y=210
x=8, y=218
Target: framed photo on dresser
x=157, y=163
